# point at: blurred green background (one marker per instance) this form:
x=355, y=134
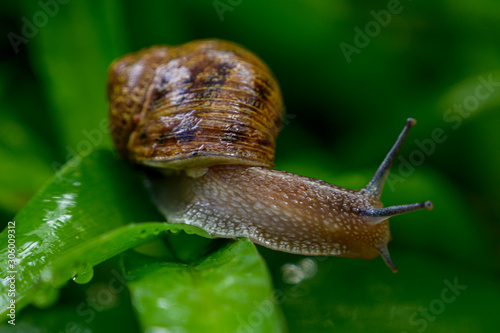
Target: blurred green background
x=350, y=73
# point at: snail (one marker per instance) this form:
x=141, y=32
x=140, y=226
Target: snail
x=206, y=114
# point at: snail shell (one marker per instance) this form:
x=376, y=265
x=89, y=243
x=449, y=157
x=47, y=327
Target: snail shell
x=210, y=111
x=198, y=104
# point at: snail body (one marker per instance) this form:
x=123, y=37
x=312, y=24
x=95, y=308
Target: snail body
x=207, y=114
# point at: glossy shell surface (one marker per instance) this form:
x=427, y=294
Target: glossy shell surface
x=198, y=104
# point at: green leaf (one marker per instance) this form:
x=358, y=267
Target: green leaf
x=88, y=197
x=229, y=290
x=83, y=216
x=77, y=262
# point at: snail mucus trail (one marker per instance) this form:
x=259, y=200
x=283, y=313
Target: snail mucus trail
x=207, y=114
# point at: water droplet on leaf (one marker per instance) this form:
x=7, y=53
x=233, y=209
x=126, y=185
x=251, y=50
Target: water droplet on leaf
x=83, y=273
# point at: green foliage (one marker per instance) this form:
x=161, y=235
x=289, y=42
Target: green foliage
x=227, y=291
x=82, y=218
x=91, y=221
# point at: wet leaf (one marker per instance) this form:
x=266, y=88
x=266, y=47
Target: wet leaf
x=90, y=196
x=229, y=290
